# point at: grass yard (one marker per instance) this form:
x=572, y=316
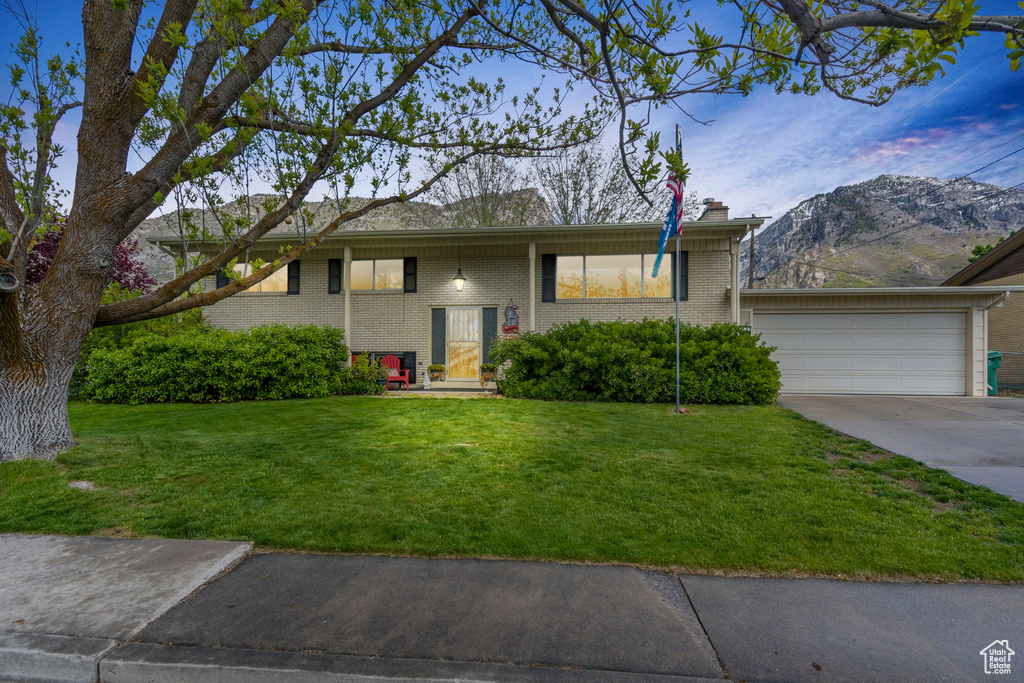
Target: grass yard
x=723, y=488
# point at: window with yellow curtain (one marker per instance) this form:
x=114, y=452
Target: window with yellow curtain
x=569, y=277
x=661, y=285
x=376, y=274
x=612, y=276
x=275, y=282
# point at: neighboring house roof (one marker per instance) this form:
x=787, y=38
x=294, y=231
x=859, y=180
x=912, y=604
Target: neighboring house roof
x=1005, y=259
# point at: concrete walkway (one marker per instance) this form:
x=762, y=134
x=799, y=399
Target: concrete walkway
x=980, y=440
x=294, y=617
x=67, y=602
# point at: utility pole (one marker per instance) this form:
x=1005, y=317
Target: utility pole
x=750, y=264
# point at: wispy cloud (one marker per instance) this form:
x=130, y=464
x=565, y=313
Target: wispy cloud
x=768, y=152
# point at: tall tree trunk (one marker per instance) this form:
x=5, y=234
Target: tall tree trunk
x=42, y=329
x=34, y=408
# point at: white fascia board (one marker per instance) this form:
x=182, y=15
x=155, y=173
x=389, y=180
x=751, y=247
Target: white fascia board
x=740, y=226
x=882, y=291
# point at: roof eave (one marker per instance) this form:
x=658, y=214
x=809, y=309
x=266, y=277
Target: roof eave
x=882, y=291
x=736, y=224
x=973, y=270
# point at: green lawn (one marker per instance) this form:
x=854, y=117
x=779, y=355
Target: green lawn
x=723, y=488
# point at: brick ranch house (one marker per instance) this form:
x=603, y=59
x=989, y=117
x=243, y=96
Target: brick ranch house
x=393, y=291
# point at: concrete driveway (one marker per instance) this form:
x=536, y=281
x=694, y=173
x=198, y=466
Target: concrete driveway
x=980, y=440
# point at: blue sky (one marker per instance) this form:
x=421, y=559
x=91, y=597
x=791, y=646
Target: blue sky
x=764, y=153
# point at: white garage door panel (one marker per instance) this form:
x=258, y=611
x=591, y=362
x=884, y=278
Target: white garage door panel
x=878, y=363
x=934, y=321
x=868, y=353
x=926, y=362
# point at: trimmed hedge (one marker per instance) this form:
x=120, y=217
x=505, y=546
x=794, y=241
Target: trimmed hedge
x=207, y=366
x=122, y=336
x=634, y=362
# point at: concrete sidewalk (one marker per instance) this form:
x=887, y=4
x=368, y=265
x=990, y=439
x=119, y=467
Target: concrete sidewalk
x=294, y=617
x=67, y=602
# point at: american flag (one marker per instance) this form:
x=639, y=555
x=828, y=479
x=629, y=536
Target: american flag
x=673, y=219
x=675, y=185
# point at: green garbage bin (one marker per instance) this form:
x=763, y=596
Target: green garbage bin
x=994, y=360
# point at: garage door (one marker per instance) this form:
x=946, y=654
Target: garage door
x=867, y=353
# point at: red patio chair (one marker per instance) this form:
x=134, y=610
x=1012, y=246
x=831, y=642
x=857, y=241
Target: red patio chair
x=394, y=373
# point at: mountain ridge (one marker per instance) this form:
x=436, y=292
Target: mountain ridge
x=891, y=230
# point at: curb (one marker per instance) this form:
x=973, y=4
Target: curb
x=33, y=656
x=167, y=663
x=36, y=656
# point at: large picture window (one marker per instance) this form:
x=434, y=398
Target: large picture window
x=275, y=282
x=377, y=274
x=612, y=276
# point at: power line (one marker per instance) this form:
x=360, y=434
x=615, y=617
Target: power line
x=942, y=187
x=990, y=149
x=970, y=146
x=993, y=163
x=917, y=224
x=815, y=263
x=919, y=108
x=927, y=194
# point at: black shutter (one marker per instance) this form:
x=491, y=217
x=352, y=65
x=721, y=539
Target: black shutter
x=490, y=323
x=547, y=277
x=438, y=336
x=293, y=277
x=222, y=279
x=409, y=363
x=681, y=273
x=409, y=270
x=334, y=276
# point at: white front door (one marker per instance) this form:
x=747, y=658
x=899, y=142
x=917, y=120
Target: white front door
x=463, y=343
x=868, y=353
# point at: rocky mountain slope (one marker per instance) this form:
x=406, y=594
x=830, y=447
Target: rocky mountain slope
x=889, y=231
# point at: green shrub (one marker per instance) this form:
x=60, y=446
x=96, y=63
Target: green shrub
x=362, y=377
x=122, y=336
x=634, y=362
x=206, y=365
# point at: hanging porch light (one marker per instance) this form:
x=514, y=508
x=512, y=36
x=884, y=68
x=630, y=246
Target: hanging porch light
x=459, y=279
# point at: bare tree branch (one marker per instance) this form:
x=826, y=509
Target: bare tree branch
x=182, y=142
x=124, y=312
x=343, y=48
x=160, y=297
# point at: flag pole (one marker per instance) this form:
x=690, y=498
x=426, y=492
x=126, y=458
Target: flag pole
x=679, y=150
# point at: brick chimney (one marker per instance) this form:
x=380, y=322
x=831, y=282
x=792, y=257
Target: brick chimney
x=714, y=211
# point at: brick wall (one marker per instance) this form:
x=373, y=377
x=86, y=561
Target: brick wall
x=1006, y=331
x=495, y=272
